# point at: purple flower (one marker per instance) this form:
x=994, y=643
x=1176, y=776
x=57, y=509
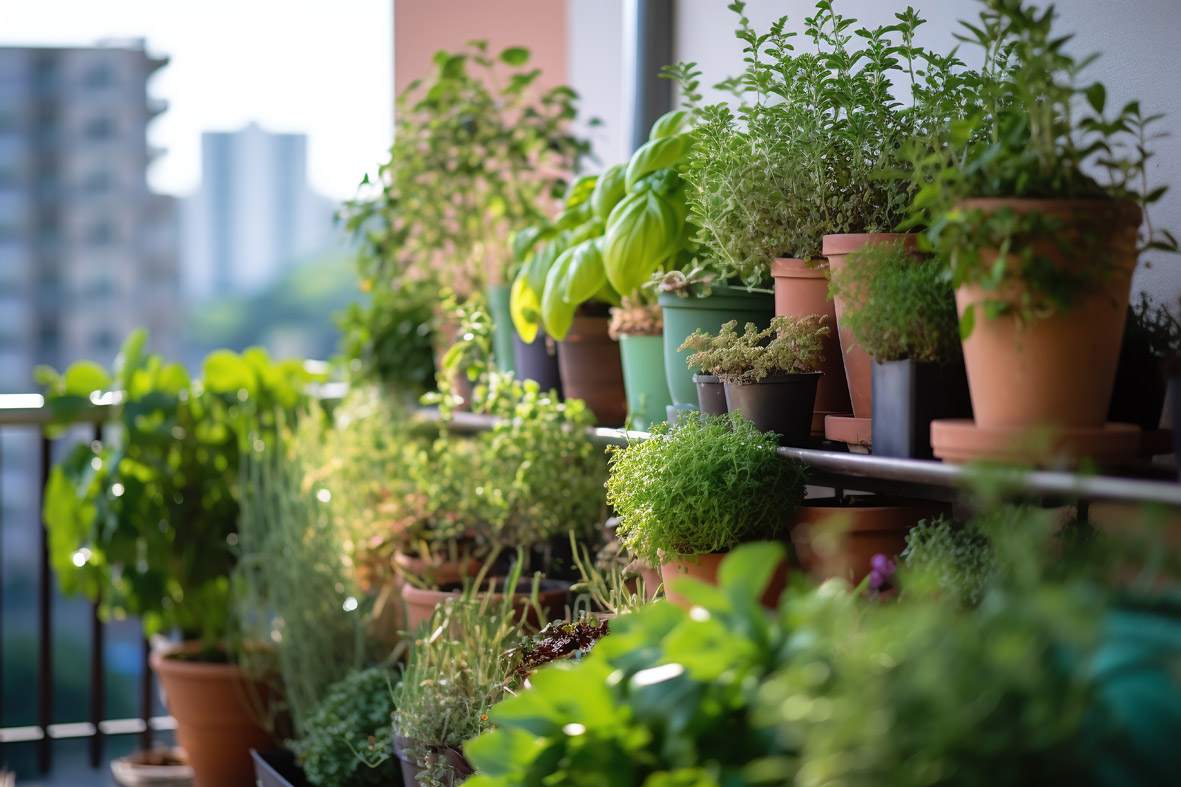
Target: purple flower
x=882, y=569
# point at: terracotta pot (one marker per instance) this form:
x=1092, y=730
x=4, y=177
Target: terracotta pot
x=711, y=394
x=780, y=403
x=437, y=571
x=800, y=291
x=591, y=369
x=838, y=537
x=552, y=593
x=705, y=568
x=216, y=718
x=857, y=361
x=1111, y=446
x=389, y=618
x=1058, y=370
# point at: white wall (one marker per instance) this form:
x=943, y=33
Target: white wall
x=595, y=69
x=1141, y=59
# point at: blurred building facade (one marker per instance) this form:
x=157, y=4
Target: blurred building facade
x=254, y=215
x=87, y=252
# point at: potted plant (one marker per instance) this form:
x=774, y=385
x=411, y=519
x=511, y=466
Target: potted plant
x=479, y=154
x=531, y=479
x=797, y=171
x=769, y=375
x=452, y=679
x=144, y=523
x=902, y=313
x=1039, y=225
x=697, y=490
x=638, y=327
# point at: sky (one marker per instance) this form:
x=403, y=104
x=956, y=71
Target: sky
x=321, y=67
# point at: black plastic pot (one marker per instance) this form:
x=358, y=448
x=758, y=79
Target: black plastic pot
x=410, y=769
x=907, y=396
x=1175, y=412
x=780, y=403
x=277, y=769
x=711, y=394
x=1139, y=393
x=538, y=361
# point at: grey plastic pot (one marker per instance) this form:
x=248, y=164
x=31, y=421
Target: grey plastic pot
x=907, y=397
x=711, y=394
x=780, y=403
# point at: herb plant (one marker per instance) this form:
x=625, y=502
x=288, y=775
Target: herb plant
x=956, y=556
x=144, y=522
x=703, y=486
x=1152, y=329
x=348, y=735
x=387, y=337
x=899, y=308
x=1036, y=131
x=789, y=345
x=805, y=155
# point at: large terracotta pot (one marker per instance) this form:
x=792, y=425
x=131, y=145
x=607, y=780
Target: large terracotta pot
x=592, y=370
x=217, y=717
x=551, y=595
x=1058, y=370
x=858, y=369
x=838, y=537
x=800, y=291
x=705, y=569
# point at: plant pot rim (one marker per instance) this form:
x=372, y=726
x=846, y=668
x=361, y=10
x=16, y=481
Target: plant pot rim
x=847, y=243
x=706, y=378
x=644, y=335
x=718, y=293
x=544, y=586
x=162, y=661
x=1029, y=204
x=795, y=378
x=795, y=268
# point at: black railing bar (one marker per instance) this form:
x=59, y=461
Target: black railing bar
x=1, y=584
x=145, y=700
x=45, y=622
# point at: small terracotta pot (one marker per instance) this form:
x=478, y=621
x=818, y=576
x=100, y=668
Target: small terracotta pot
x=216, y=721
x=1058, y=370
x=705, y=568
x=799, y=292
x=591, y=369
x=858, y=372
x=838, y=537
x=551, y=595
x=711, y=394
x=437, y=572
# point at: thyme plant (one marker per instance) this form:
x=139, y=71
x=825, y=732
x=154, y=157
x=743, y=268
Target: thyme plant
x=899, y=308
x=789, y=345
x=703, y=486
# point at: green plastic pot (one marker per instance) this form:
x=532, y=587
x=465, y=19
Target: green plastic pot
x=502, y=329
x=644, y=380
x=682, y=316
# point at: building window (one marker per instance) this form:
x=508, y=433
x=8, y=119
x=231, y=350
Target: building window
x=100, y=128
x=102, y=234
x=99, y=76
x=98, y=182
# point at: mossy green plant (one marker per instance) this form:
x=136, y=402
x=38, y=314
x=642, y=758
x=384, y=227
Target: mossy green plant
x=790, y=345
x=899, y=308
x=702, y=486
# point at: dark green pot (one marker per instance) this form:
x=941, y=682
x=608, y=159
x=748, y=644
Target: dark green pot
x=502, y=329
x=644, y=380
x=682, y=316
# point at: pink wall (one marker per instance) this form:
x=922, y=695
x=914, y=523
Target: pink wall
x=423, y=27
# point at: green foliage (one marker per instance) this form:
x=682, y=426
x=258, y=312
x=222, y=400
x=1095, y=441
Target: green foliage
x=956, y=556
x=615, y=231
x=471, y=353
x=457, y=671
x=294, y=587
x=703, y=486
x=899, y=307
x=789, y=345
x=664, y=700
x=349, y=736
x=1030, y=130
x=804, y=156
x=145, y=520
x=387, y=339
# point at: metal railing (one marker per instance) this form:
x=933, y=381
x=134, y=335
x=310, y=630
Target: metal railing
x=28, y=411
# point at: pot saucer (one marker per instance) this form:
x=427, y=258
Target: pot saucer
x=959, y=441
x=857, y=433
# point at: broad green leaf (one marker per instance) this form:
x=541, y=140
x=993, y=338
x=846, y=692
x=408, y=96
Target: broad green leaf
x=84, y=378
x=748, y=568
x=524, y=306
x=581, y=190
x=585, y=275
x=670, y=124
x=131, y=356
x=609, y=190
x=654, y=155
x=226, y=372
x=556, y=314
x=967, y=321
x=515, y=56
x=641, y=233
